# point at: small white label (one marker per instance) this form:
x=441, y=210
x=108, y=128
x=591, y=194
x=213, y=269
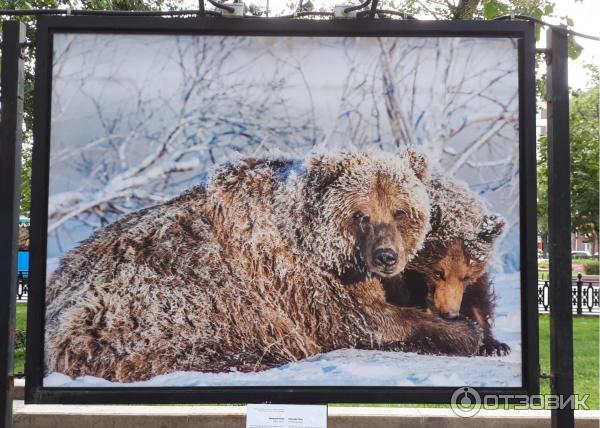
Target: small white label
x=285, y=416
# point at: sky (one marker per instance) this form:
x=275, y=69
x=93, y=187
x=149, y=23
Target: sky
x=586, y=14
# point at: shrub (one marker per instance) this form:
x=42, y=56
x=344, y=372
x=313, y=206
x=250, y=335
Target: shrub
x=591, y=267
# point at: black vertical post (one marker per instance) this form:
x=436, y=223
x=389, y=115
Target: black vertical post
x=11, y=119
x=579, y=294
x=559, y=226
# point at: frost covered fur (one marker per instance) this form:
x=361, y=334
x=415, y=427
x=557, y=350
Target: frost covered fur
x=456, y=213
x=449, y=274
x=246, y=274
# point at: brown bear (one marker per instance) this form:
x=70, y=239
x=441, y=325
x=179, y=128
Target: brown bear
x=449, y=274
x=244, y=274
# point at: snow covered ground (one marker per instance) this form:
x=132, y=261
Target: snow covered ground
x=352, y=367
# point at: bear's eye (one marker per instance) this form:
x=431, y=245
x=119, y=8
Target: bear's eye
x=438, y=274
x=399, y=214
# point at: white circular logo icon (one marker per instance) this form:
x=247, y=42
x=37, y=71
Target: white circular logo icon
x=465, y=402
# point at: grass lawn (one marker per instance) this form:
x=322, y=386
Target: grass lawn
x=585, y=353
x=586, y=350
x=20, y=337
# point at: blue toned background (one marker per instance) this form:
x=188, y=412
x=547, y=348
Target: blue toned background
x=136, y=119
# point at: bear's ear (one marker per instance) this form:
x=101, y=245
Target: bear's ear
x=418, y=163
x=492, y=227
x=323, y=170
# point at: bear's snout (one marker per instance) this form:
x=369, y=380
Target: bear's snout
x=385, y=258
x=450, y=315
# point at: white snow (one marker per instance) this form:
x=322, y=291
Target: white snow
x=352, y=367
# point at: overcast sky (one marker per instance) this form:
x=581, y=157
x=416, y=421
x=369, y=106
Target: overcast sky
x=586, y=15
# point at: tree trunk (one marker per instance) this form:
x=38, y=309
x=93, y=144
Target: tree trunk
x=545, y=244
x=466, y=9
x=399, y=123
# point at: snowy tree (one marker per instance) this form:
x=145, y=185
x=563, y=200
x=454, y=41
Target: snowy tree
x=159, y=140
x=196, y=102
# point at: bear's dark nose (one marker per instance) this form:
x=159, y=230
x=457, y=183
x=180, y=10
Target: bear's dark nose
x=385, y=257
x=450, y=315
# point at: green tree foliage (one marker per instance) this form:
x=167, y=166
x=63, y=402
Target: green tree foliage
x=25, y=201
x=584, y=133
x=28, y=102
x=542, y=190
x=475, y=9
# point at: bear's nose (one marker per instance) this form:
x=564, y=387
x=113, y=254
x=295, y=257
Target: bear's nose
x=450, y=315
x=385, y=257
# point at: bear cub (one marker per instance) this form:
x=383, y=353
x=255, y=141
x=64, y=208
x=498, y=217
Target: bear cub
x=449, y=275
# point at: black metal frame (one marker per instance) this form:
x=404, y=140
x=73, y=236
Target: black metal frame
x=11, y=121
x=47, y=26
x=559, y=224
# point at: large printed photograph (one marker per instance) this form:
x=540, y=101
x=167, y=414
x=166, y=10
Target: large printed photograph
x=283, y=211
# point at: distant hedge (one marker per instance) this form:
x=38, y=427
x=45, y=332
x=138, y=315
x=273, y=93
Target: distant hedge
x=591, y=267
